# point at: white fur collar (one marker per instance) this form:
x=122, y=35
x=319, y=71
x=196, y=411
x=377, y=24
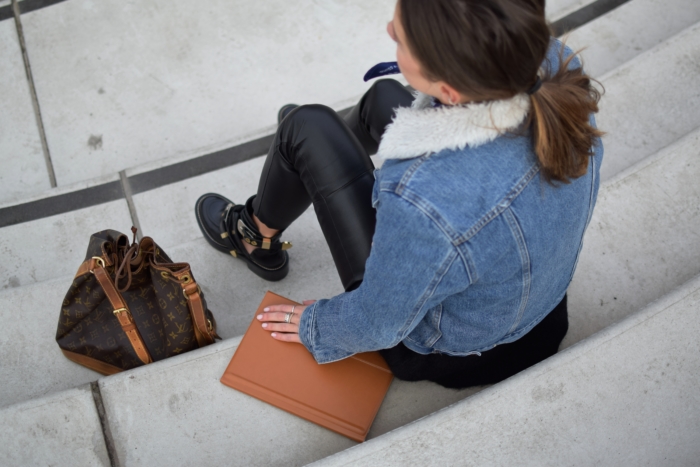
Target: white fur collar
x=423, y=129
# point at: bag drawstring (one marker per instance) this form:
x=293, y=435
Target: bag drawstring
x=125, y=268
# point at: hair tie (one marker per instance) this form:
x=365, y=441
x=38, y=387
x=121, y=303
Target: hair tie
x=535, y=87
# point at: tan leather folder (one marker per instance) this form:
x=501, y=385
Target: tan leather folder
x=343, y=396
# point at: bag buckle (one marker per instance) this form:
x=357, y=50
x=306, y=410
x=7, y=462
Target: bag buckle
x=199, y=289
x=119, y=310
x=100, y=261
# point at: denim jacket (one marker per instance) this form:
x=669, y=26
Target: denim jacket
x=472, y=246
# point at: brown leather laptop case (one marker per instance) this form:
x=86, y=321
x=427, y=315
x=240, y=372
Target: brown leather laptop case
x=343, y=396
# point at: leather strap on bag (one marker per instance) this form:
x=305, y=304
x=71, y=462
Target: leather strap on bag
x=121, y=311
x=202, y=326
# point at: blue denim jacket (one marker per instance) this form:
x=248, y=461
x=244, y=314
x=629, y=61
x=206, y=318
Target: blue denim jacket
x=472, y=247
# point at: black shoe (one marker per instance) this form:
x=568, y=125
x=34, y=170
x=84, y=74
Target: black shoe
x=284, y=111
x=226, y=226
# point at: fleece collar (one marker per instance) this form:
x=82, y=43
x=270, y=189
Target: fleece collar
x=424, y=129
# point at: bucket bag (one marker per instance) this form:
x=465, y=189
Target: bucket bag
x=130, y=305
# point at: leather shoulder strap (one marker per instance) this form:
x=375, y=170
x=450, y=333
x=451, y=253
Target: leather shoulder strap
x=121, y=311
x=202, y=328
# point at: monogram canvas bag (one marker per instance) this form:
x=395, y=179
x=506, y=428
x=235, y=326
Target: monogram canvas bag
x=130, y=305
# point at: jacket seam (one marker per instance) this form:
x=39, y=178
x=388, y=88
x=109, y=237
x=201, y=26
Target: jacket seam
x=591, y=203
x=501, y=206
x=437, y=335
x=591, y=206
x=525, y=261
x=429, y=291
x=441, y=223
x=433, y=214
x=409, y=173
x=437, y=326
x=312, y=324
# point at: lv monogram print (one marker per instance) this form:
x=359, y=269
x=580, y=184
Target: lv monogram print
x=87, y=324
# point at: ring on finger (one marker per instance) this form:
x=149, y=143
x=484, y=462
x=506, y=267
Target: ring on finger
x=288, y=318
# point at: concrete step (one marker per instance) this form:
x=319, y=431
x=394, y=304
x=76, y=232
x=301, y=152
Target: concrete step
x=24, y=169
x=59, y=430
x=54, y=246
x=191, y=407
x=32, y=364
x=650, y=101
x=643, y=239
x=25, y=124
x=627, y=396
x=625, y=115
x=186, y=403
x=188, y=80
x=629, y=30
x=648, y=207
x=147, y=97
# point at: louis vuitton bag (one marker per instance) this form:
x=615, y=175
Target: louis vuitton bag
x=130, y=305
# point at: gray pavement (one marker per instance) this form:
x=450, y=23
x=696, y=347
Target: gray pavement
x=630, y=30
x=19, y=134
x=59, y=430
x=32, y=364
x=122, y=84
x=215, y=424
x=642, y=241
x=651, y=101
x=44, y=249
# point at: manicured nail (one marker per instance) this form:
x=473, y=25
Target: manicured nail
x=259, y=316
x=266, y=309
x=264, y=325
x=274, y=334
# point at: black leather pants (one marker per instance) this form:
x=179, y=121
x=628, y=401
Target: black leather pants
x=318, y=157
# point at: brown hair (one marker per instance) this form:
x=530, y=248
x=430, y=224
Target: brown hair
x=493, y=49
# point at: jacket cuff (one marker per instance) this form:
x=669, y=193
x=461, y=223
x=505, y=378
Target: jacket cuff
x=306, y=326
x=308, y=334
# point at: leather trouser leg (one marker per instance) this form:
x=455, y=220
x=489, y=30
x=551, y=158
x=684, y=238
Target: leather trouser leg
x=317, y=157
x=374, y=112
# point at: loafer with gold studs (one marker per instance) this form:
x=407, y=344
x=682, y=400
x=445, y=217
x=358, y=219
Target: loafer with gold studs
x=226, y=226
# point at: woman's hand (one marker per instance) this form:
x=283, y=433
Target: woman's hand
x=283, y=320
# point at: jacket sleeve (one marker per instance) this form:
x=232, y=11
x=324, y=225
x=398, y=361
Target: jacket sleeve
x=406, y=275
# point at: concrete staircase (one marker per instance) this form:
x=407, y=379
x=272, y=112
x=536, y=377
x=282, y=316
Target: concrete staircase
x=621, y=392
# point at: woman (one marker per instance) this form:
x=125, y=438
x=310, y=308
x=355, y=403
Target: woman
x=457, y=254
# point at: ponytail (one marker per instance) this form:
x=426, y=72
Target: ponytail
x=563, y=136
x=493, y=50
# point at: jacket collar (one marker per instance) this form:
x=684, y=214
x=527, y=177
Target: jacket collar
x=424, y=129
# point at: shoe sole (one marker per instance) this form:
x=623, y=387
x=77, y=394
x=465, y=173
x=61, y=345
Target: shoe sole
x=272, y=275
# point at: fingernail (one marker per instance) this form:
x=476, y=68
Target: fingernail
x=274, y=334
x=264, y=325
x=259, y=316
x=266, y=309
